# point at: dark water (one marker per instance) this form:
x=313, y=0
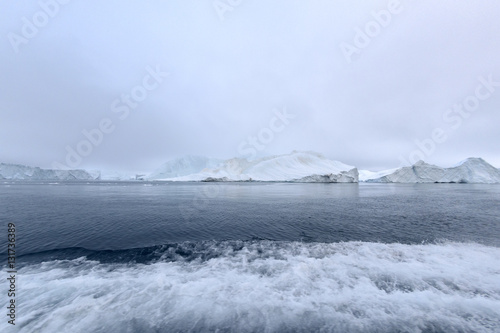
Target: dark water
x=122, y=216
x=255, y=257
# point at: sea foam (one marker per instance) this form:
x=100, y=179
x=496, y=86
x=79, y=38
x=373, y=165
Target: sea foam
x=265, y=286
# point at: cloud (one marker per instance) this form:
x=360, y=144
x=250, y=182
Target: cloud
x=227, y=77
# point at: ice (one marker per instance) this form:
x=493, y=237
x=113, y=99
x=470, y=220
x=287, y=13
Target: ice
x=297, y=166
x=183, y=166
x=23, y=172
x=364, y=175
x=293, y=167
x=472, y=170
x=115, y=175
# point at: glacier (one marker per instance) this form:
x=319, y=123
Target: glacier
x=22, y=172
x=308, y=167
x=471, y=170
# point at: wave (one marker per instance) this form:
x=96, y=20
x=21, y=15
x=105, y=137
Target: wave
x=184, y=251
x=264, y=286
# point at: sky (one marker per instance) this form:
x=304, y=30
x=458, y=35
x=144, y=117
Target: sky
x=127, y=85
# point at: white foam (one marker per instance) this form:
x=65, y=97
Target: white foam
x=271, y=286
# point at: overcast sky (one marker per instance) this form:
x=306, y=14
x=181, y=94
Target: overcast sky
x=359, y=81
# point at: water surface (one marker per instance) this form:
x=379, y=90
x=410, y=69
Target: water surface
x=255, y=257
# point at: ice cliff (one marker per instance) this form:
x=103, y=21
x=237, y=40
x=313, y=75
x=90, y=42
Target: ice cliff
x=294, y=167
x=23, y=172
x=472, y=170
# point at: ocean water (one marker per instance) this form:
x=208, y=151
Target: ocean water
x=253, y=257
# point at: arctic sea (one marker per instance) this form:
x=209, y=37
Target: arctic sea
x=252, y=257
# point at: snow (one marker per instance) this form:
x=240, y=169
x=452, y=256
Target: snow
x=293, y=167
x=471, y=170
x=183, y=166
x=115, y=175
x=364, y=175
x=23, y=172
x=297, y=166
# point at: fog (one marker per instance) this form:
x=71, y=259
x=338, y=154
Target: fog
x=128, y=85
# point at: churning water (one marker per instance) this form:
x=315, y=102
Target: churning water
x=254, y=257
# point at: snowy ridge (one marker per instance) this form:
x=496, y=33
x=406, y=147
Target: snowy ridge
x=365, y=175
x=471, y=170
x=295, y=167
x=23, y=172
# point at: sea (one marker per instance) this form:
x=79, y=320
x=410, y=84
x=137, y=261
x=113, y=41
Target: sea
x=250, y=257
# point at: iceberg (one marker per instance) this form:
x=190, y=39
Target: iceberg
x=116, y=176
x=183, y=166
x=23, y=172
x=295, y=167
x=365, y=175
x=300, y=167
x=471, y=170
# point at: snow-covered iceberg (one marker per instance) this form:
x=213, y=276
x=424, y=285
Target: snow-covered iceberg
x=184, y=166
x=365, y=175
x=471, y=170
x=23, y=172
x=116, y=176
x=294, y=167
